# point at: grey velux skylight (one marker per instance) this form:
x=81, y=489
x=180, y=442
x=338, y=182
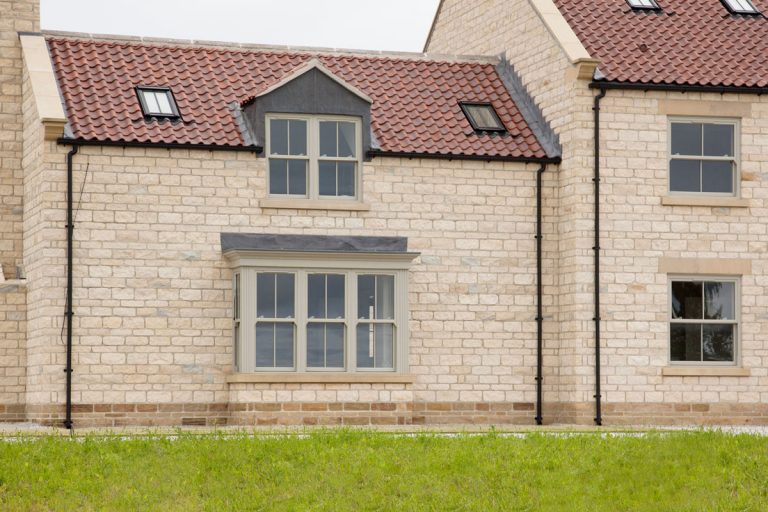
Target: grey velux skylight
x=483, y=117
x=157, y=102
x=741, y=6
x=644, y=5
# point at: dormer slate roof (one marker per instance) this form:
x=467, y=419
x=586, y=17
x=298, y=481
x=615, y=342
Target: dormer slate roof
x=687, y=42
x=415, y=107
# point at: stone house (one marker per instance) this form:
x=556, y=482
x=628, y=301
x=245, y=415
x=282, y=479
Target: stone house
x=555, y=214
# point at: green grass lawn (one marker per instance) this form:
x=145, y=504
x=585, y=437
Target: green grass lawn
x=356, y=470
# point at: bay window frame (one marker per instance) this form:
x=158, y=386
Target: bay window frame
x=248, y=266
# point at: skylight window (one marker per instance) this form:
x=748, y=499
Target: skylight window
x=649, y=5
x=483, y=117
x=741, y=6
x=157, y=102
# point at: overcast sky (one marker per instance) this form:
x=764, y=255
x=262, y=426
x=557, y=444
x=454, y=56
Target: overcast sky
x=394, y=25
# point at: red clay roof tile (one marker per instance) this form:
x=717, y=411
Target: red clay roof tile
x=415, y=102
x=689, y=42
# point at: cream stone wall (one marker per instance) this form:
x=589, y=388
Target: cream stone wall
x=642, y=230
x=516, y=29
x=643, y=238
x=153, y=292
x=16, y=16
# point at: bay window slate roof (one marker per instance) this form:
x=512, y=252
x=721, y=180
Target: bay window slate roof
x=415, y=105
x=313, y=243
x=687, y=42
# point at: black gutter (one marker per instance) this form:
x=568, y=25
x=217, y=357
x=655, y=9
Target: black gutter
x=446, y=156
x=716, y=89
x=596, y=248
x=68, y=310
x=539, y=294
x=161, y=145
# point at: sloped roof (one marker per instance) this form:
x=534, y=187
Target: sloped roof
x=415, y=105
x=689, y=42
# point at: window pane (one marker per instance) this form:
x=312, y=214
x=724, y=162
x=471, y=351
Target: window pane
x=151, y=102
x=297, y=177
x=315, y=345
x=328, y=141
x=316, y=295
x=163, y=104
x=278, y=136
x=265, y=295
x=335, y=294
x=346, y=178
x=685, y=342
x=718, y=139
x=334, y=343
x=717, y=177
x=720, y=301
x=265, y=344
x=298, y=139
x=327, y=178
x=285, y=296
x=482, y=116
x=685, y=175
x=365, y=296
x=375, y=346
x=278, y=176
x=686, y=300
x=347, y=139
x=284, y=345
x=686, y=139
x=718, y=342
x=325, y=345
x=376, y=297
x=385, y=297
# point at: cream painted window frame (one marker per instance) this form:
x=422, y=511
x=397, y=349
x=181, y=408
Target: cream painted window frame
x=301, y=265
x=736, y=123
x=313, y=156
x=737, y=321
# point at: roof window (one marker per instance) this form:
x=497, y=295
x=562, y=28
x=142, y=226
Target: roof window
x=157, y=102
x=741, y=6
x=644, y=5
x=483, y=117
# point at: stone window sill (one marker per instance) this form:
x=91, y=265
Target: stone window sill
x=709, y=371
x=718, y=202
x=314, y=204
x=320, y=378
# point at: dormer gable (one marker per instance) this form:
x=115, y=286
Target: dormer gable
x=311, y=89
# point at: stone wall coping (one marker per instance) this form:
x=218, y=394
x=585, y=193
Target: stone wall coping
x=43, y=82
x=566, y=38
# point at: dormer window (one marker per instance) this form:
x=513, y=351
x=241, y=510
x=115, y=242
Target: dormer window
x=483, y=117
x=157, y=102
x=741, y=7
x=644, y=5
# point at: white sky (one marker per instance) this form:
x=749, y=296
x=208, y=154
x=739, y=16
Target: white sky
x=393, y=25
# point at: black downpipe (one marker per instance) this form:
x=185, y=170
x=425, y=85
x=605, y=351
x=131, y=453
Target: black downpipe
x=596, y=248
x=68, y=313
x=539, y=294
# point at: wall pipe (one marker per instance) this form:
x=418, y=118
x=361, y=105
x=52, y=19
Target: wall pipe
x=539, y=294
x=596, y=249
x=68, y=310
